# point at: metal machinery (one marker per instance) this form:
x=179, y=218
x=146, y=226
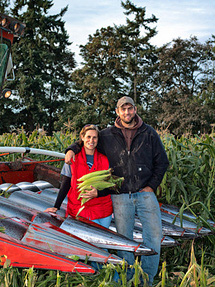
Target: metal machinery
x=9, y=28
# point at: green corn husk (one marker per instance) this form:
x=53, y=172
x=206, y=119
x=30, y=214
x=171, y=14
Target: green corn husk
x=95, y=173
x=100, y=180
x=80, y=209
x=101, y=184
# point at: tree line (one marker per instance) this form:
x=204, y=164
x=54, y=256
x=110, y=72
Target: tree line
x=173, y=86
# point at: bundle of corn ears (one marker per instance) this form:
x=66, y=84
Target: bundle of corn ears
x=100, y=180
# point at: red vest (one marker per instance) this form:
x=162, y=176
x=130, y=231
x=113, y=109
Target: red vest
x=97, y=207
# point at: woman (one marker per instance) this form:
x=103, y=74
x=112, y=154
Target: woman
x=88, y=160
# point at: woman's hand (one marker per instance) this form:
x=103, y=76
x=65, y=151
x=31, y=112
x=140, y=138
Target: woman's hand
x=51, y=209
x=69, y=155
x=90, y=194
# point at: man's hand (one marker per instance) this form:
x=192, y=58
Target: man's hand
x=69, y=155
x=90, y=194
x=147, y=189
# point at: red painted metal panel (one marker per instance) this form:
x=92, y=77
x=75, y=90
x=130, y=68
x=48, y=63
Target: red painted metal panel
x=8, y=36
x=21, y=255
x=16, y=172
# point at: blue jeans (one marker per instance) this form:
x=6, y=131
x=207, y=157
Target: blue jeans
x=146, y=206
x=105, y=221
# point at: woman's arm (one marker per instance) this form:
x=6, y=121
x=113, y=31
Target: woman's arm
x=64, y=189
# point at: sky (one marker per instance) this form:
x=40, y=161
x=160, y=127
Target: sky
x=176, y=18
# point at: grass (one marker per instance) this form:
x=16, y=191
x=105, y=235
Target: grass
x=195, y=275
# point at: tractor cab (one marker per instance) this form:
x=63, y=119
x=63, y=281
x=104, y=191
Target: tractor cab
x=9, y=28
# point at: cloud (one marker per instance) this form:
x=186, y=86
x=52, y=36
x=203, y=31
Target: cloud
x=176, y=18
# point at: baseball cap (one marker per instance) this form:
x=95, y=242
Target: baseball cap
x=125, y=100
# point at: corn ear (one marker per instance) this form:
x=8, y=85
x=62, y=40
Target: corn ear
x=95, y=173
x=98, y=185
x=99, y=180
x=94, y=179
x=85, y=187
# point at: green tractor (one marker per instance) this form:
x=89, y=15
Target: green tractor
x=9, y=28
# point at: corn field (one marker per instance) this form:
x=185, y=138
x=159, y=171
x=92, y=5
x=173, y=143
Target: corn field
x=189, y=184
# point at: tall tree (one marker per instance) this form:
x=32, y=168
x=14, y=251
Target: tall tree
x=206, y=96
x=116, y=61
x=97, y=83
x=139, y=54
x=43, y=65
x=183, y=67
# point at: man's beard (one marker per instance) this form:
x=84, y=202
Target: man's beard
x=128, y=122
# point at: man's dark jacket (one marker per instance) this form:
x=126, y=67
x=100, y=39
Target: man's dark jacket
x=144, y=165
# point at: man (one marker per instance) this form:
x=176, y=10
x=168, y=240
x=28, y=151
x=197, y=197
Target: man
x=135, y=152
